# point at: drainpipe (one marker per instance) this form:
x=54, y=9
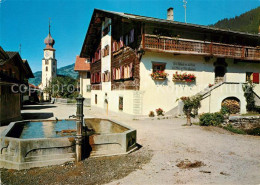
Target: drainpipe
x=79, y=121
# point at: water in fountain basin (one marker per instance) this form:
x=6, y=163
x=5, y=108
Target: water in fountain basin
x=47, y=129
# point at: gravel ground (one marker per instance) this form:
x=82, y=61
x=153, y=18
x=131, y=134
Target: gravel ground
x=90, y=171
x=215, y=155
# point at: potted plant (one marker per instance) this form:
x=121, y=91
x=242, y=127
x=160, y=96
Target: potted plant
x=183, y=77
x=159, y=75
x=211, y=85
x=159, y=112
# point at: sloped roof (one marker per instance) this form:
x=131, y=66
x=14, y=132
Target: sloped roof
x=33, y=86
x=81, y=64
x=3, y=56
x=11, y=54
x=15, y=56
x=28, y=69
x=152, y=19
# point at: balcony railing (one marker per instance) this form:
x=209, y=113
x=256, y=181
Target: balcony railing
x=194, y=47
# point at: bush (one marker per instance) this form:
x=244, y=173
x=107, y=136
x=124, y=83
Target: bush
x=257, y=109
x=255, y=131
x=234, y=130
x=224, y=110
x=151, y=114
x=249, y=95
x=211, y=119
x=159, y=112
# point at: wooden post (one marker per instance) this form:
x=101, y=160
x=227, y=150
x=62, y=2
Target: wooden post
x=211, y=48
x=143, y=36
x=243, y=52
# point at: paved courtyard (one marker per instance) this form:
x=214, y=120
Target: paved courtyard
x=226, y=158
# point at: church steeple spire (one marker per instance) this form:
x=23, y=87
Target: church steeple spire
x=49, y=25
x=49, y=41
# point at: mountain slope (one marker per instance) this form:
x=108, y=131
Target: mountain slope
x=65, y=71
x=247, y=22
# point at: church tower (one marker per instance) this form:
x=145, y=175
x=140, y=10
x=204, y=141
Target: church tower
x=49, y=63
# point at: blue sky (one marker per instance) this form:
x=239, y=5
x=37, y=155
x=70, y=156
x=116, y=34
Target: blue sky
x=25, y=22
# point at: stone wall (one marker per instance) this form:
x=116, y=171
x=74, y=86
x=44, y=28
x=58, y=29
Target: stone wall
x=243, y=122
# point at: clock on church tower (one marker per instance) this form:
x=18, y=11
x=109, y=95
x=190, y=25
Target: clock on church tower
x=49, y=63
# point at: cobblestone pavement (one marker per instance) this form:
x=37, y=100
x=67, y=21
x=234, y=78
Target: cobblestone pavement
x=227, y=158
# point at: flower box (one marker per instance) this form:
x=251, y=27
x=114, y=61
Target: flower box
x=183, y=81
x=159, y=75
x=184, y=78
x=159, y=79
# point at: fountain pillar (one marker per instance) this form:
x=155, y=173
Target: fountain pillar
x=79, y=122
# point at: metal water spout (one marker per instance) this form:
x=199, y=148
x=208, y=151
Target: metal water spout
x=79, y=122
x=72, y=116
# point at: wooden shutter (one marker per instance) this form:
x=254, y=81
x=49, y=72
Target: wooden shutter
x=121, y=72
x=117, y=73
x=113, y=74
x=128, y=71
x=256, y=78
x=131, y=70
x=96, y=56
x=121, y=41
x=114, y=47
x=94, y=78
x=107, y=48
x=118, y=46
x=102, y=53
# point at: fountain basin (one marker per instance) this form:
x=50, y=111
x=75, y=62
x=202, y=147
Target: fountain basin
x=110, y=137
x=28, y=144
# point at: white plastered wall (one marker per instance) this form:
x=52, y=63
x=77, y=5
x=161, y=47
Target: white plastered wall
x=84, y=82
x=113, y=100
x=163, y=94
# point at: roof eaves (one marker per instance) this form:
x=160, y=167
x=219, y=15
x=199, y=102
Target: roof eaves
x=152, y=19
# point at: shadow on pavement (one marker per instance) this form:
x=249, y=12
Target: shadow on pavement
x=37, y=115
x=38, y=107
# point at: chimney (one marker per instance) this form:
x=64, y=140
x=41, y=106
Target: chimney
x=170, y=16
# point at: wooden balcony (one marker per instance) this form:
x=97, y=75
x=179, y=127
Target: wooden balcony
x=195, y=47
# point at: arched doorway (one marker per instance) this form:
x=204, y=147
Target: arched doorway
x=232, y=104
x=220, y=70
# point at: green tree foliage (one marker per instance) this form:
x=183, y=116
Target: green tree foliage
x=64, y=71
x=247, y=22
x=249, y=95
x=191, y=106
x=62, y=87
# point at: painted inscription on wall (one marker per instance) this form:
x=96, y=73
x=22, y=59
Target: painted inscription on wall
x=184, y=66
